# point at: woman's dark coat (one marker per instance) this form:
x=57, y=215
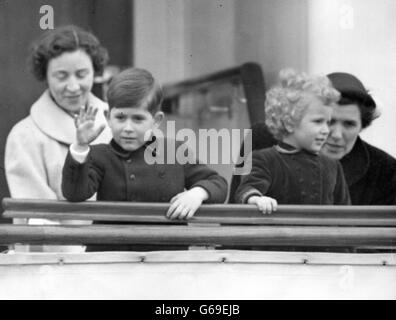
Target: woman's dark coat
x=370, y=174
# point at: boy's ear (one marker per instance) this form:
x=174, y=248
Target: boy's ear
x=158, y=118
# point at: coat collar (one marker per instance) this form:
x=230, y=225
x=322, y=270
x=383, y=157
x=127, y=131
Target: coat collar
x=119, y=151
x=356, y=162
x=285, y=148
x=57, y=123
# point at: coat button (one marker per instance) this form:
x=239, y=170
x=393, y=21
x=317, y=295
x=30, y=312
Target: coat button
x=129, y=161
x=132, y=177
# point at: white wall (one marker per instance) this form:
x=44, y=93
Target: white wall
x=159, y=38
x=212, y=32
x=359, y=37
x=197, y=274
x=178, y=39
x=272, y=33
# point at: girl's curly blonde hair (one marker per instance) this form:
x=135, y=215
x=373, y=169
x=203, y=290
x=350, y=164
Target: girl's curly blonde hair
x=286, y=102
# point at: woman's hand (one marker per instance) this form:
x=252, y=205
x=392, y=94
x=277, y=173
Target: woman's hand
x=265, y=204
x=85, y=125
x=184, y=204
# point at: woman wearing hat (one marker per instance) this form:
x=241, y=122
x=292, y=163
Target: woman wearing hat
x=370, y=172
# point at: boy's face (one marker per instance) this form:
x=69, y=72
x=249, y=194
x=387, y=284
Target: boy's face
x=129, y=126
x=311, y=133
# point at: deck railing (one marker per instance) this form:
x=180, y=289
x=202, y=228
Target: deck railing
x=229, y=225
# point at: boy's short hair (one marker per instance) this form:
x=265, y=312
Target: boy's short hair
x=286, y=102
x=53, y=43
x=134, y=88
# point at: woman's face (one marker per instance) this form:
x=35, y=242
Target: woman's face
x=345, y=127
x=70, y=79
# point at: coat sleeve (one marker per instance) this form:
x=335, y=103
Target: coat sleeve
x=80, y=181
x=341, y=191
x=386, y=194
x=25, y=167
x=255, y=183
x=199, y=175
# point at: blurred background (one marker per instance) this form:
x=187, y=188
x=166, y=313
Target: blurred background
x=181, y=39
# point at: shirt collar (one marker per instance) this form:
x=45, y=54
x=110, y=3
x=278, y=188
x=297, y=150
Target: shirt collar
x=283, y=147
x=286, y=148
x=125, y=154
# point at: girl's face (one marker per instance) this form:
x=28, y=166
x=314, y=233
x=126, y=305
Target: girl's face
x=312, y=130
x=70, y=79
x=345, y=127
x=131, y=125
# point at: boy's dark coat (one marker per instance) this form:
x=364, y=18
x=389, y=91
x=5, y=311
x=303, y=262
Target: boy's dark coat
x=118, y=175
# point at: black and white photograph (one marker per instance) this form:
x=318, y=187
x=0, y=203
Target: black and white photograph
x=197, y=154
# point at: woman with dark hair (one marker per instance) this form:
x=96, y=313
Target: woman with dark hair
x=370, y=172
x=67, y=59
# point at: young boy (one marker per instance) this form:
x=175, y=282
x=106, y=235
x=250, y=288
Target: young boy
x=118, y=171
x=293, y=172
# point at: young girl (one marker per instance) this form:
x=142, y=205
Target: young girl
x=293, y=172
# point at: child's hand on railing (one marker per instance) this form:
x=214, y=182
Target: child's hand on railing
x=85, y=125
x=185, y=204
x=265, y=204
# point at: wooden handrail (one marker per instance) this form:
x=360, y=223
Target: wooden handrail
x=218, y=213
x=249, y=74
x=232, y=225
x=199, y=235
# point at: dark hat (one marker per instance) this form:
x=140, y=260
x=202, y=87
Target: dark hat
x=351, y=87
